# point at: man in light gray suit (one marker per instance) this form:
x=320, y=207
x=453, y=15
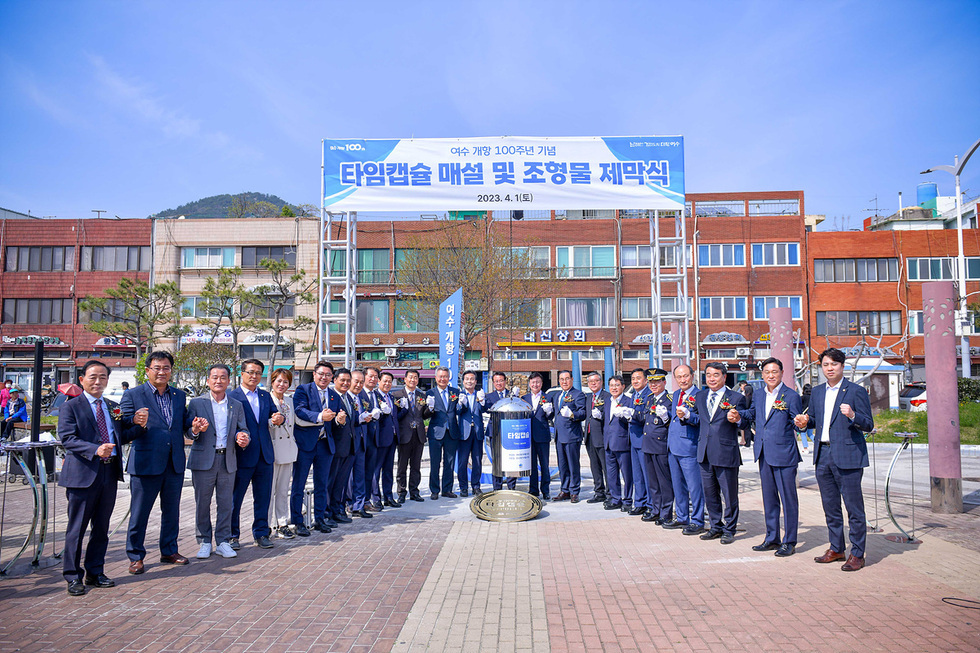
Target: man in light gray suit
x=218, y=424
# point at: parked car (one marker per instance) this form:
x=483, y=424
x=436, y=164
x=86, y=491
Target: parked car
x=913, y=397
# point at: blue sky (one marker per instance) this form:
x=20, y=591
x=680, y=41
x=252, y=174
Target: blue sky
x=135, y=107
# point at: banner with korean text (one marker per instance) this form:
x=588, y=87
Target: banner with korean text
x=450, y=313
x=504, y=173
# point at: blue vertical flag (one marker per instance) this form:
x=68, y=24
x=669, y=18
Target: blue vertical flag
x=450, y=314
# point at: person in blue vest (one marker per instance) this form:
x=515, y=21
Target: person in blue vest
x=316, y=406
x=656, y=466
x=469, y=453
x=541, y=411
x=616, y=414
x=442, y=433
x=569, y=414
x=14, y=412
x=256, y=461
x=383, y=474
x=682, y=447
x=499, y=392
x=638, y=395
x=775, y=450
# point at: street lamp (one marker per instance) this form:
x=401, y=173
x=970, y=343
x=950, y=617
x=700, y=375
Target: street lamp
x=955, y=170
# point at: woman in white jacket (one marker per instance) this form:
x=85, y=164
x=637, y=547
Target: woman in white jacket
x=285, y=448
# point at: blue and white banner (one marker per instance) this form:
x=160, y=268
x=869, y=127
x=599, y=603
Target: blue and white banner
x=511, y=172
x=450, y=313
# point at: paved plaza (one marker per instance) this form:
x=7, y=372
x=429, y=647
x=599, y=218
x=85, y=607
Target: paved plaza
x=432, y=577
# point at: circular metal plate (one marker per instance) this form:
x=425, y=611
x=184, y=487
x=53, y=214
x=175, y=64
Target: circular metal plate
x=506, y=506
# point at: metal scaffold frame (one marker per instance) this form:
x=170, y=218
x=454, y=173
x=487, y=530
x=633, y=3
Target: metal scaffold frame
x=344, y=284
x=658, y=279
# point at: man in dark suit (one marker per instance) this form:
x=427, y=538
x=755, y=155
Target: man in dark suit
x=366, y=444
x=469, y=452
x=316, y=407
x=410, y=403
x=656, y=422
x=92, y=430
x=616, y=413
x=541, y=411
x=595, y=399
x=256, y=460
x=840, y=414
x=715, y=412
x=682, y=447
x=218, y=425
x=638, y=395
x=347, y=431
x=383, y=474
x=569, y=414
x=156, y=460
x=748, y=430
x=443, y=434
x=499, y=392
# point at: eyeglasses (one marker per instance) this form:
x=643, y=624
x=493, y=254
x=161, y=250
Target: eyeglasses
x=160, y=369
x=251, y=372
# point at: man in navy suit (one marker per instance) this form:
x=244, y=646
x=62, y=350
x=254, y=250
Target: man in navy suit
x=682, y=447
x=595, y=399
x=366, y=444
x=92, y=430
x=569, y=414
x=256, y=460
x=383, y=474
x=499, y=392
x=775, y=450
x=616, y=414
x=541, y=411
x=638, y=397
x=469, y=453
x=443, y=434
x=316, y=407
x=715, y=411
x=156, y=460
x=348, y=434
x=840, y=413
x=410, y=408
x=656, y=422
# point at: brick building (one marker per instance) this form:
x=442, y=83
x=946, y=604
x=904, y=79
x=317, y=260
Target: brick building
x=48, y=266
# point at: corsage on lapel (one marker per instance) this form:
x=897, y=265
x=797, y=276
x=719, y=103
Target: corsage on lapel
x=116, y=413
x=779, y=404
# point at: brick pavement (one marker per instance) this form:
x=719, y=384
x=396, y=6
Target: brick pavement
x=432, y=577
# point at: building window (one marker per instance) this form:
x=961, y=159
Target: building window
x=722, y=308
x=774, y=207
x=916, y=324
x=265, y=310
x=636, y=354
x=849, y=270
x=373, y=266
x=115, y=258
x=638, y=256
x=775, y=254
x=593, y=355
x=39, y=259
x=208, y=257
x=264, y=352
x=253, y=256
x=936, y=269
x=721, y=255
x=372, y=315
x=530, y=313
x=408, y=319
x=720, y=354
x=584, y=261
x=585, y=312
x=528, y=355
x=720, y=209
x=856, y=323
x=37, y=311
x=638, y=308
x=198, y=307
x=763, y=304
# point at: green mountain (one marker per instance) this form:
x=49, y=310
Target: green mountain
x=224, y=206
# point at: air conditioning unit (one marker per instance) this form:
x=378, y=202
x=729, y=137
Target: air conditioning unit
x=742, y=352
x=391, y=352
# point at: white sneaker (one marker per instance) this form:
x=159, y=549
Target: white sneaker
x=225, y=551
x=205, y=551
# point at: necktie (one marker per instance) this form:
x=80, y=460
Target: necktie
x=561, y=401
x=713, y=402
x=323, y=399
x=100, y=422
x=445, y=398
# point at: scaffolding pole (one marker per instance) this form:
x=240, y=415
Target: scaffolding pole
x=659, y=279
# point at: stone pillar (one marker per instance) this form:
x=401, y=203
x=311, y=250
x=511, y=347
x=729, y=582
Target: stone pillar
x=781, y=342
x=943, y=418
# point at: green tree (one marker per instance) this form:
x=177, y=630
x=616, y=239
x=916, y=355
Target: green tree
x=287, y=212
x=227, y=300
x=133, y=309
x=192, y=361
x=285, y=289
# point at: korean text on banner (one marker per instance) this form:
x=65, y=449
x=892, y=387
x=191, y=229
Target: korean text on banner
x=450, y=314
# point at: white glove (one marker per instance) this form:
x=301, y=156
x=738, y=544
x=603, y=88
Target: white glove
x=430, y=401
x=661, y=412
x=566, y=412
x=385, y=408
x=376, y=413
x=516, y=391
x=596, y=413
x=628, y=412
x=547, y=408
x=480, y=395
x=683, y=412
x=617, y=411
x=403, y=402
x=363, y=417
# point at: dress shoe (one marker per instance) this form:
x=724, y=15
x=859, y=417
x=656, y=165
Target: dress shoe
x=450, y=495
x=363, y=513
x=829, y=556
x=545, y=497
x=322, y=526
x=711, y=535
x=637, y=510
x=625, y=508
x=853, y=564
x=785, y=550
x=99, y=581
x=563, y=496
x=693, y=529
x=235, y=544
x=766, y=546
x=402, y=497
x=418, y=497
x=75, y=588
x=728, y=538
x=370, y=507
x=477, y=491
x=263, y=542
x=175, y=559
x=649, y=516
x=342, y=519
x=136, y=567
x=464, y=493
x=302, y=530
x=574, y=498
x=392, y=504
x=435, y=496
x=612, y=506
x=673, y=524
x=596, y=498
